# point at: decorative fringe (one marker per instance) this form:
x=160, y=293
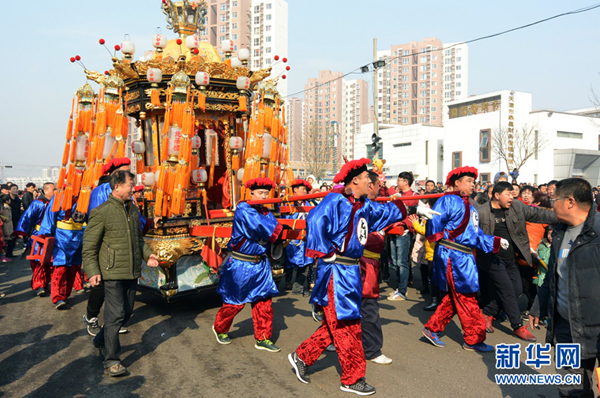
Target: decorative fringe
x=155, y=97
x=201, y=101
x=243, y=105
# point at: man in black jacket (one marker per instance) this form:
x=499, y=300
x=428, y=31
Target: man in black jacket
x=569, y=295
x=27, y=198
x=505, y=217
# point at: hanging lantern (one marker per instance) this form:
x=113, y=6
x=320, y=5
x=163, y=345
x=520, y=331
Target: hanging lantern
x=196, y=142
x=148, y=179
x=192, y=42
x=267, y=141
x=127, y=48
x=235, y=62
x=174, y=141
x=227, y=47
x=240, y=174
x=244, y=55
x=202, y=79
x=154, y=76
x=199, y=176
x=242, y=83
x=236, y=143
x=81, y=151
x=138, y=147
x=109, y=142
x=159, y=42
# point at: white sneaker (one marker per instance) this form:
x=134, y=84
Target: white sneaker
x=397, y=296
x=382, y=360
x=330, y=348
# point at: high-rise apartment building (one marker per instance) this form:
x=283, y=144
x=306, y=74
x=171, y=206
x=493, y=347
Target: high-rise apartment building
x=418, y=78
x=269, y=37
x=295, y=123
x=227, y=20
x=323, y=116
x=356, y=108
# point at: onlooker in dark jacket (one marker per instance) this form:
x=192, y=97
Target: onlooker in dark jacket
x=505, y=217
x=28, y=195
x=569, y=295
x=113, y=249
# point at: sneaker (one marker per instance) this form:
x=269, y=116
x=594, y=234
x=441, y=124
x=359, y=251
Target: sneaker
x=382, y=360
x=222, y=338
x=300, y=368
x=433, y=337
x=93, y=328
x=330, y=348
x=41, y=292
x=60, y=305
x=480, y=347
x=316, y=314
x=123, y=330
x=360, y=387
x=80, y=291
x=488, y=323
x=5, y=259
x=116, y=370
x=397, y=296
x=266, y=345
x=524, y=334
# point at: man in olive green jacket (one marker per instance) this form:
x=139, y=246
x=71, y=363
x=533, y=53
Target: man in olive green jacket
x=113, y=249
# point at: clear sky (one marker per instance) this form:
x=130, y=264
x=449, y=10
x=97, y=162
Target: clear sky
x=557, y=61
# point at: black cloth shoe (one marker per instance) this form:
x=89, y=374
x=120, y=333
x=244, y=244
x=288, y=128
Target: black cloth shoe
x=300, y=368
x=360, y=387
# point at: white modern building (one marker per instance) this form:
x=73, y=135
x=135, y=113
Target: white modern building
x=562, y=144
x=416, y=147
x=268, y=24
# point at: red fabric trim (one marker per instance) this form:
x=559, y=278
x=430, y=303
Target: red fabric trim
x=276, y=233
x=465, y=221
x=317, y=254
x=435, y=237
x=18, y=233
x=239, y=245
x=496, y=244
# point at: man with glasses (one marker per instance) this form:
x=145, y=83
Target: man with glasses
x=569, y=295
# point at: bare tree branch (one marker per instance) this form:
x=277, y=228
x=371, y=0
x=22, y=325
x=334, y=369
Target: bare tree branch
x=526, y=142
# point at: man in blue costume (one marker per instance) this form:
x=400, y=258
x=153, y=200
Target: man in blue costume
x=66, y=226
x=246, y=275
x=29, y=224
x=457, y=233
x=296, y=260
x=337, y=231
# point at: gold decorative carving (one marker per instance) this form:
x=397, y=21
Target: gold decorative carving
x=150, y=106
x=259, y=76
x=124, y=69
x=221, y=107
x=221, y=95
x=133, y=95
x=134, y=108
x=97, y=77
x=172, y=248
x=216, y=70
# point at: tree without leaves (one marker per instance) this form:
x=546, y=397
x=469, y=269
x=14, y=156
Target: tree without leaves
x=525, y=145
x=317, y=153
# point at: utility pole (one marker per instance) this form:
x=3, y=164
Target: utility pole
x=375, y=91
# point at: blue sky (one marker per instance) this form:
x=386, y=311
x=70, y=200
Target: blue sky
x=557, y=61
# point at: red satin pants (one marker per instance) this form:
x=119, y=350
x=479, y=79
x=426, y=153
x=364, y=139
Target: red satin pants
x=41, y=275
x=62, y=281
x=345, y=335
x=463, y=304
x=262, y=317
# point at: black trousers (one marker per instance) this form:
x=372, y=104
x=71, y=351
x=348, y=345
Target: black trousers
x=95, y=300
x=506, y=287
x=529, y=288
x=10, y=247
x=119, y=299
x=562, y=334
x=372, y=335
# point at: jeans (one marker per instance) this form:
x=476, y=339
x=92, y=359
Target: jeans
x=399, y=248
x=119, y=298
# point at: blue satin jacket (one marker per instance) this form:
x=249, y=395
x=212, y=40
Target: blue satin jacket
x=31, y=218
x=340, y=225
x=254, y=228
x=458, y=222
x=295, y=251
x=67, y=242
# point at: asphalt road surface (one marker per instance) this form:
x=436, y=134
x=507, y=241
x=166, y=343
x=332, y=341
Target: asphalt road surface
x=171, y=351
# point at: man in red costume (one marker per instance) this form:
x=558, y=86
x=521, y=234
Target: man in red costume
x=337, y=231
x=457, y=233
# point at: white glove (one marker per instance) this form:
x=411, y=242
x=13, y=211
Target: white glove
x=423, y=211
x=504, y=243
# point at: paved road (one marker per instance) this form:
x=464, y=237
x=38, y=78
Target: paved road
x=171, y=351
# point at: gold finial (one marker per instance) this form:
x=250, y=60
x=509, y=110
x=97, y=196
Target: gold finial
x=184, y=17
